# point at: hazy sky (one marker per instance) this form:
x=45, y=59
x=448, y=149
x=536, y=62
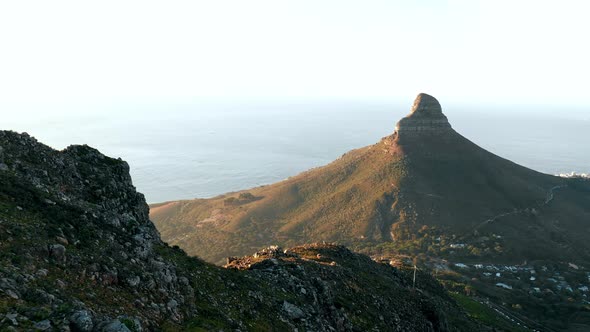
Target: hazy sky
x=86, y=52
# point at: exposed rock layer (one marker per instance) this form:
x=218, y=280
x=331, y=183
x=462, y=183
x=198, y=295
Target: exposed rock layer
x=425, y=118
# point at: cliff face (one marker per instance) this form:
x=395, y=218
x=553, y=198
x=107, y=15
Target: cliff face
x=78, y=252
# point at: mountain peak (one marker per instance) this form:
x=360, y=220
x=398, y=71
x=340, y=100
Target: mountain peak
x=426, y=104
x=426, y=117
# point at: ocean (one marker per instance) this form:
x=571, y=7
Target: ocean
x=199, y=150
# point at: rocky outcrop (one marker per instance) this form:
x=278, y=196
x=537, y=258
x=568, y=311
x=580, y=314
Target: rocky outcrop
x=72, y=221
x=425, y=118
x=327, y=277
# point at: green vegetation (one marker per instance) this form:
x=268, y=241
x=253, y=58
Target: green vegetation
x=484, y=314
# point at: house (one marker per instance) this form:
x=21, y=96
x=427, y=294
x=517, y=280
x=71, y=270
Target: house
x=503, y=285
x=573, y=266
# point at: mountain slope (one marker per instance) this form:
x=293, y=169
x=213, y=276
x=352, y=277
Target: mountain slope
x=424, y=176
x=78, y=253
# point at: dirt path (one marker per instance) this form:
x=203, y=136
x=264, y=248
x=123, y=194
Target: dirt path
x=549, y=197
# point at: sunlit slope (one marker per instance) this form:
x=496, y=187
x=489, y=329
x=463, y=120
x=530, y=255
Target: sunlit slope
x=341, y=200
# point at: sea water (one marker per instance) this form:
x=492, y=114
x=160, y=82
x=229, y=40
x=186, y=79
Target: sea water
x=199, y=150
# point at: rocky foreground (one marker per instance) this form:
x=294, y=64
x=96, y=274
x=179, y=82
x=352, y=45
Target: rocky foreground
x=79, y=253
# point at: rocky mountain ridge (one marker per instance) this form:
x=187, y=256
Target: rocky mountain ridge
x=79, y=253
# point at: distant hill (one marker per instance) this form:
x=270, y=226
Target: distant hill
x=423, y=180
x=500, y=236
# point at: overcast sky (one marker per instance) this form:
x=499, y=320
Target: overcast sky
x=91, y=52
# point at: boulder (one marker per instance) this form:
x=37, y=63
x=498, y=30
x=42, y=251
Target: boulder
x=81, y=321
x=44, y=325
x=58, y=252
x=292, y=311
x=114, y=325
